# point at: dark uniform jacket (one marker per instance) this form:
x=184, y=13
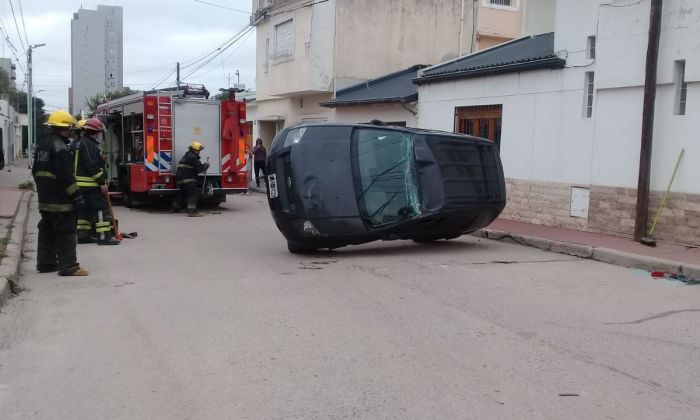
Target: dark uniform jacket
x=88, y=163
x=53, y=174
x=188, y=168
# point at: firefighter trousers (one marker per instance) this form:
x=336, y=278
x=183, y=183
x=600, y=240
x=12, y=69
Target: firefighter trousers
x=186, y=196
x=94, y=220
x=57, y=242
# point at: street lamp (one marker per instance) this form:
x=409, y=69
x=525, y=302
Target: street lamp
x=30, y=105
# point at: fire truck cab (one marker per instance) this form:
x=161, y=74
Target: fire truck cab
x=149, y=132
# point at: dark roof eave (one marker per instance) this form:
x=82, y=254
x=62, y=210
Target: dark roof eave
x=550, y=62
x=336, y=104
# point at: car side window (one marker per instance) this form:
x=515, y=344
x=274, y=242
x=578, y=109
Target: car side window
x=385, y=180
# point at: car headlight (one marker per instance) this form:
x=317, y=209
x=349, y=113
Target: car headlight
x=310, y=229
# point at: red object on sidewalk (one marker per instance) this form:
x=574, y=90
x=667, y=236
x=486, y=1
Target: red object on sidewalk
x=658, y=274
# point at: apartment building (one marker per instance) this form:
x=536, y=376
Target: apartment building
x=309, y=49
x=97, y=63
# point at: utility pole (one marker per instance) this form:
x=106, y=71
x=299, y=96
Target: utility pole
x=238, y=77
x=178, y=75
x=30, y=105
x=645, y=150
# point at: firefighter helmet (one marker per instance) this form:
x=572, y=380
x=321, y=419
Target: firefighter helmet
x=195, y=145
x=93, y=125
x=61, y=119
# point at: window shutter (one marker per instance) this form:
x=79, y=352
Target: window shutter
x=284, y=40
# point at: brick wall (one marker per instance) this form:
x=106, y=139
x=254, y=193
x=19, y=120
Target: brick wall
x=611, y=210
x=541, y=203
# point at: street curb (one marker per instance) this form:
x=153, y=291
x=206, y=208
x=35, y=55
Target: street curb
x=607, y=255
x=13, y=252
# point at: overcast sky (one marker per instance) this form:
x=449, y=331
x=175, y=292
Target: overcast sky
x=157, y=33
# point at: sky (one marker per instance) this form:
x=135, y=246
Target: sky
x=157, y=34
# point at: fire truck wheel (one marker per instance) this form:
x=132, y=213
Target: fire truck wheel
x=130, y=200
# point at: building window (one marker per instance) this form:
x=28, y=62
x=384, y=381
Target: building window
x=480, y=121
x=681, y=88
x=502, y=4
x=591, y=47
x=267, y=55
x=589, y=90
x=284, y=41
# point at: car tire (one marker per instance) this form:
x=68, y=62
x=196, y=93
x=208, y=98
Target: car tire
x=297, y=248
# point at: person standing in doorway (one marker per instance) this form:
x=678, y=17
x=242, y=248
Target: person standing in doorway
x=248, y=168
x=259, y=154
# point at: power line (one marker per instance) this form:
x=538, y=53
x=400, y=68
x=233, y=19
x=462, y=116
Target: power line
x=13, y=50
x=311, y=4
x=163, y=79
x=194, y=61
x=146, y=70
x=207, y=58
x=224, y=7
x=223, y=60
x=236, y=38
x=14, y=17
x=24, y=27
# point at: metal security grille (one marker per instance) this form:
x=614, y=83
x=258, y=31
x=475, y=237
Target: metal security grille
x=508, y=3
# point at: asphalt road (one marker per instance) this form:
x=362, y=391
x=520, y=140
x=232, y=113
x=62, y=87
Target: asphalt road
x=211, y=318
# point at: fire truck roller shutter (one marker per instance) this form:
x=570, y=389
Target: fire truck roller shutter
x=196, y=120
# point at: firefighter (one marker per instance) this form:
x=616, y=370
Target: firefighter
x=59, y=197
x=95, y=221
x=186, y=176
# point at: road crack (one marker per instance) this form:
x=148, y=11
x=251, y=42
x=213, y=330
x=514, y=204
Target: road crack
x=657, y=316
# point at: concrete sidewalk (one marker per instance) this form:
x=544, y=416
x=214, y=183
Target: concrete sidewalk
x=14, y=208
x=668, y=257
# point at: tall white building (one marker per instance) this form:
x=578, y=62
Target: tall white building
x=10, y=68
x=97, y=63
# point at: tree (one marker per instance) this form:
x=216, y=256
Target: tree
x=18, y=100
x=94, y=101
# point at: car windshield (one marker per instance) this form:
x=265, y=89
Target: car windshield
x=385, y=179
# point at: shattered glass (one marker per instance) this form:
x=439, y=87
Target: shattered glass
x=387, y=189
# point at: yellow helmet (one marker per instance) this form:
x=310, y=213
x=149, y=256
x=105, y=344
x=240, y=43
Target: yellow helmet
x=195, y=145
x=61, y=118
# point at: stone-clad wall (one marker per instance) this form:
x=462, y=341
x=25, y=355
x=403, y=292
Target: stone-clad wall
x=611, y=210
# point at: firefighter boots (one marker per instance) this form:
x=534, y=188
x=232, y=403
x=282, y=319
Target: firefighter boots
x=107, y=239
x=80, y=271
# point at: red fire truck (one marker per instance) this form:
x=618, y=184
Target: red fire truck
x=149, y=132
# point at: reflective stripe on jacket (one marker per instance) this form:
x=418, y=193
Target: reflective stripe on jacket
x=88, y=163
x=53, y=174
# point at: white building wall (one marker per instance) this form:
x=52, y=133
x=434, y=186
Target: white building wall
x=310, y=69
x=11, y=144
x=366, y=113
x=96, y=53
x=544, y=136
x=547, y=145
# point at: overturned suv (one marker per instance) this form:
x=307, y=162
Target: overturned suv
x=331, y=185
